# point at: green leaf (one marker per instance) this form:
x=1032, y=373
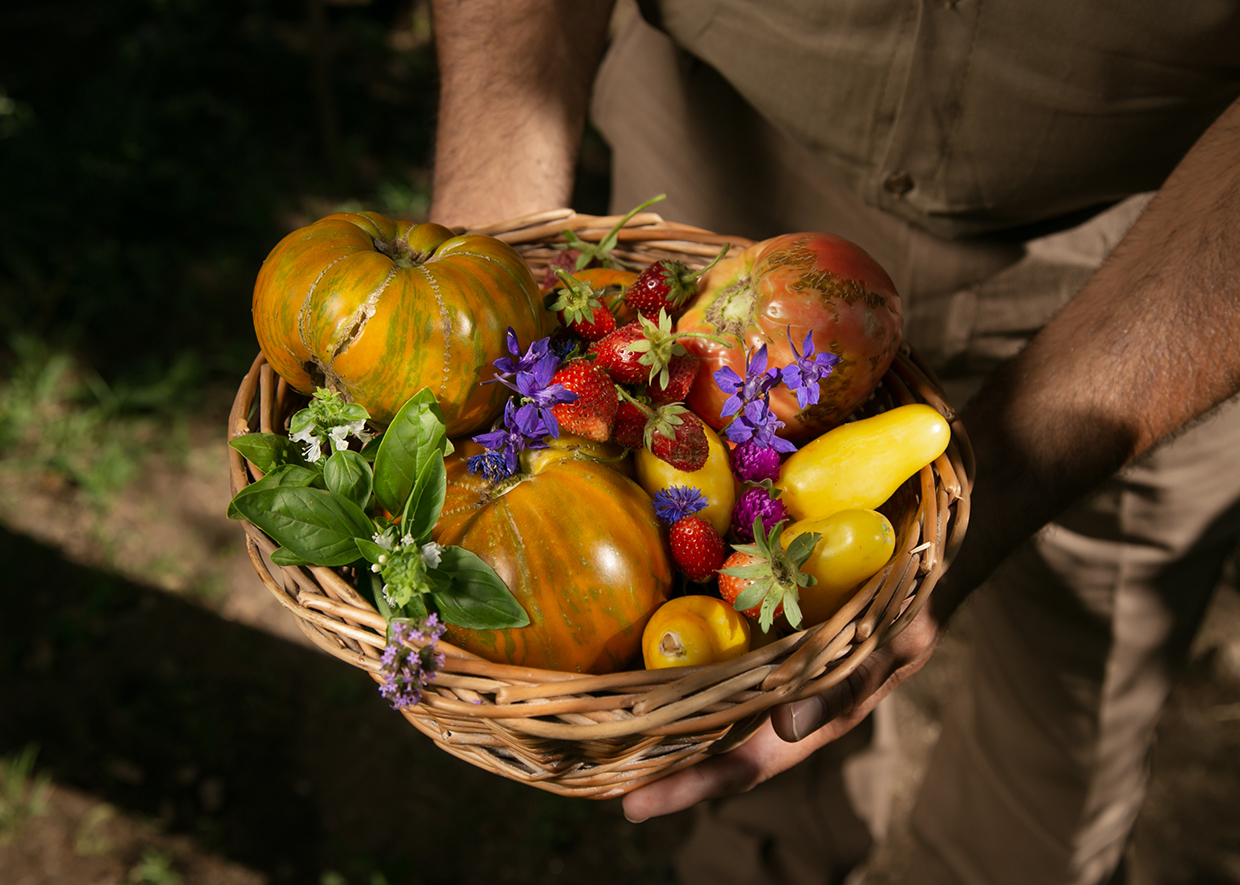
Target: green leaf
x=476, y=598
x=281, y=556
x=348, y=474
x=753, y=594
x=319, y=526
x=369, y=550
x=404, y=463
x=425, y=503
x=289, y=476
x=267, y=451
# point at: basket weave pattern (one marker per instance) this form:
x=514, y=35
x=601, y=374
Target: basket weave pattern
x=601, y=736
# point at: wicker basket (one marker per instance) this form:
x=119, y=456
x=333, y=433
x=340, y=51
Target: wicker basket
x=601, y=736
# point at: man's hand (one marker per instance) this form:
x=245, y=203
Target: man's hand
x=794, y=730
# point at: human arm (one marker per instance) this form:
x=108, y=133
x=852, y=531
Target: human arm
x=1150, y=344
x=515, y=81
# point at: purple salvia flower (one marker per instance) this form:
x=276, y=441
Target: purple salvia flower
x=754, y=462
x=757, y=382
x=802, y=375
x=674, y=503
x=410, y=661
x=753, y=501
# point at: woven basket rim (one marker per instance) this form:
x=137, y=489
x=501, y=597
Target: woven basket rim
x=500, y=707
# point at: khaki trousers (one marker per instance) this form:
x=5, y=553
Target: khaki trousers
x=1041, y=766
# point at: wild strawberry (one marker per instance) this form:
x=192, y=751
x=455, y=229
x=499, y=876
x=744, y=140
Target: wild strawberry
x=763, y=580
x=629, y=427
x=675, y=435
x=579, y=308
x=682, y=370
x=665, y=285
x=598, y=254
x=591, y=415
x=643, y=351
x=697, y=548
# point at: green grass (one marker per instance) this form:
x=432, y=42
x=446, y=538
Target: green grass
x=23, y=794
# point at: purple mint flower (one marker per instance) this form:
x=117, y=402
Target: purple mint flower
x=674, y=503
x=757, y=382
x=753, y=501
x=758, y=423
x=803, y=375
x=410, y=661
x=754, y=462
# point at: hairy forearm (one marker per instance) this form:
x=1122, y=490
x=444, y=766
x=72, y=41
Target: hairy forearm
x=1149, y=344
x=515, y=80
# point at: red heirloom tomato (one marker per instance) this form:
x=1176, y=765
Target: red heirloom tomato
x=378, y=309
x=793, y=285
x=579, y=546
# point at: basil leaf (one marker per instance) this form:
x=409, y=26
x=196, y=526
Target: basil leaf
x=348, y=474
x=415, y=437
x=372, y=448
x=425, y=503
x=319, y=526
x=281, y=556
x=290, y=475
x=477, y=598
x=370, y=586
x=267, y=451
x=414, y=608
x=369, y=549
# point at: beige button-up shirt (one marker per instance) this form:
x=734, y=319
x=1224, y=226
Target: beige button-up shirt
x=969, y=116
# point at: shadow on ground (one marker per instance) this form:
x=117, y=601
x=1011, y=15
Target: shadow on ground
x=268, y=753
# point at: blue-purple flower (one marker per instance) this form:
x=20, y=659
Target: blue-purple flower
x=758, y=423
x=802, y=375
x=674, y=503
x=524, y=427
x=754, y=386
x=410, y=661
x=530, y=374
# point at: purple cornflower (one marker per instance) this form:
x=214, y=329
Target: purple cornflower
x=410, y=660
x=523, y=428
x=674, y=503
x=758, y=423
x=753, y=501
x=754, y=462
x=489, y=465
x=757, y=382
x=803, y=375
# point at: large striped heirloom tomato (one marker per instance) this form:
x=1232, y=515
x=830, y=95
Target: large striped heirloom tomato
x=377, y=309
x=775, y=293
x=579, y=546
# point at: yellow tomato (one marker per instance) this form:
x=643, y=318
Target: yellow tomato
x=855, y=544
x=714, y=479
x=691, y=631
x=860, y=465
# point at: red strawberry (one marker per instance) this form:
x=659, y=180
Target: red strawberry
x=629, y=427
x=643, y=351
x=762, y=580
x=731, y=587
x=676, y=435
x=617, y=359
x=579, y=308
x=682, y=370
x=591, y=415
x=665, y=285
x=696, y=547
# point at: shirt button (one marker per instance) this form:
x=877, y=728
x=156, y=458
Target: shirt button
x=898, y=183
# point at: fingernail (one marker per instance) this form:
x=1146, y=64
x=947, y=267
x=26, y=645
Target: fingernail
x=633, y=820
x=796, y=728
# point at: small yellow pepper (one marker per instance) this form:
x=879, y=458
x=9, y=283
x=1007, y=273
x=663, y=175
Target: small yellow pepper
x=691, y=631
x=861, y=464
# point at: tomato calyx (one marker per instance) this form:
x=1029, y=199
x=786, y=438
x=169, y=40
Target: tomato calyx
x=733, y=310
x=401, y=253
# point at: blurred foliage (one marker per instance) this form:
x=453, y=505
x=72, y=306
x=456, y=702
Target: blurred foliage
x=153, y=151
x=22, y=793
